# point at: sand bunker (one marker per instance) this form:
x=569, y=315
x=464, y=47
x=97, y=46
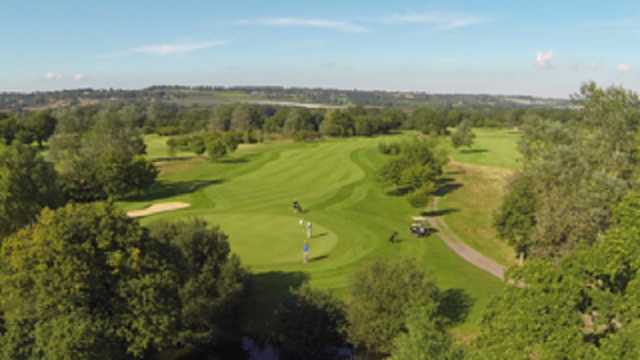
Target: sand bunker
x=158, y=208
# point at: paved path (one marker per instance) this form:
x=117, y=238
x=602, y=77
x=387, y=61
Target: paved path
x=463, y=250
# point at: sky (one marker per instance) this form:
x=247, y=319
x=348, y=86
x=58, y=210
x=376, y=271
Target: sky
x=542, y=48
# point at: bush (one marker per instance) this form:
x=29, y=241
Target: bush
x=393, y=148
x=306, y=136
x=420, y=198
x=169, y=131
x=217, y=149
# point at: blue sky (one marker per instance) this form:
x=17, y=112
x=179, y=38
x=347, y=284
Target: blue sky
x=545, y=48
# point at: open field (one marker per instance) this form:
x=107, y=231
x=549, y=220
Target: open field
x=492, y=147
x=250, y=195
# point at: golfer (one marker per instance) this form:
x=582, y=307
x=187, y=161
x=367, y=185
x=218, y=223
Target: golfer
x=309, y=230
x=306, y=249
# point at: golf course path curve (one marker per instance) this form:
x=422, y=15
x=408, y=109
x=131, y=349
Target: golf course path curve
x=461, y=249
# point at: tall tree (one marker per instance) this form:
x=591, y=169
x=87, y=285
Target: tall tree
x=309, y=325
x=27, y=184
x=426, y=338
x=583, y=307
x=86, y=282
x=381, y=293
x=463, y=136
x=211, y=280
x=42, y=125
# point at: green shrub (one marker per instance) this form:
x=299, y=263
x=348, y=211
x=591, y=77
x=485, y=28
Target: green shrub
x=420, y=198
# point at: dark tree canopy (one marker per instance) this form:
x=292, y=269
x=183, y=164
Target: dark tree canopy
x=310, y=324
x=381, y=295
x=27, y=185
x=585, y=307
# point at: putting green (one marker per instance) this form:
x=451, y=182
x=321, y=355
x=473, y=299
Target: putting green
x=335, y=181
x=281, y=247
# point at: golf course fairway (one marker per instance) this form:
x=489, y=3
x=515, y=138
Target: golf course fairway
x=250, y=194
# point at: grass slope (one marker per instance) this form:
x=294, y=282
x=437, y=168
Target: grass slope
x=250, y=195
x=478, y=179
x=492, y=147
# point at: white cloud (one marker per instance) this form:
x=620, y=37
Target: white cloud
x=441, y=20
x=177, y=48
x=78, y=77
x=624, y=68
x=543, y=59
x=344, y=26
x=53, y=76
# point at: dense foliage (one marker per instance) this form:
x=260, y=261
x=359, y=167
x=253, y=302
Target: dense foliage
x=573, y=174
x=382, y=295
x=27, y=185
x=104, y=161
x=309, y=324
x=87, y=282
x=415, y=169
x=585, y=307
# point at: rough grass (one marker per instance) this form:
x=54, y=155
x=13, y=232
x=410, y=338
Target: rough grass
x=250, y=197
x=469, y=208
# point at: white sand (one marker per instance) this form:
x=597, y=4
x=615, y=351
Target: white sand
x=158, y=208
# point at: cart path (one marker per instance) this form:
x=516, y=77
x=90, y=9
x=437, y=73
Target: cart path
x=463, y=250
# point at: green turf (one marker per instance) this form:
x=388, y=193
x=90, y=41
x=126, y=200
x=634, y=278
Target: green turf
x=250, y=197
x=492, y=147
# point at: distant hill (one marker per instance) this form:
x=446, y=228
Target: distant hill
x=309, y=97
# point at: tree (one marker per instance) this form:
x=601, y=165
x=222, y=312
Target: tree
x=309, y=325
x=86, y=282
x=276, y=122
x=582, y=307
x=298, y=120
x=337, y=123
x=515, y=219
x=217, y=149
x=42, y=125
x=100, y=163
x=245, y=117
x=577, y=171
x=420, y=162
x=8, y=129
x=211, y=280
x=430, y=121
x=380, y=295
x=27, y=184
x=426, y=338
x=463, y=136
x=222, y=118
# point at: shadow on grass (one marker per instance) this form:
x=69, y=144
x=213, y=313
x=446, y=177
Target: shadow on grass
x=473, y=151
x=320, y=235
x=172, y=158
x=455, y=305
x=241, y=160
x=319, y=258
x=266, y=291
x=439, y=212
x=163, y=190
x=446, y=186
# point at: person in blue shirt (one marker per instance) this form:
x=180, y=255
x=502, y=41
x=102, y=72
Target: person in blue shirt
x=306, y=249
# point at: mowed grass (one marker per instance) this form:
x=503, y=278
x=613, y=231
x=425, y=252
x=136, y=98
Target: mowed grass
x=250, y=197
x=492, y=147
